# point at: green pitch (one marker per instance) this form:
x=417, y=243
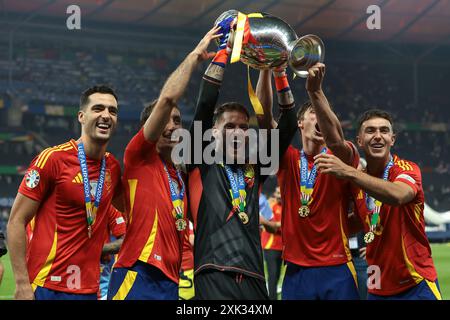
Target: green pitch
x=441, y=257
x=7, y=285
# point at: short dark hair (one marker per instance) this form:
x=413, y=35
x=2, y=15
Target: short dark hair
x=102, y=88
x=375, y=113
x=305, y=107
x=147, y=111
x=228, y=107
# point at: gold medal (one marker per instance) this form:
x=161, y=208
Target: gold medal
x=244, y=217
x=369, y=236
x=180, y=224
x=303, y=211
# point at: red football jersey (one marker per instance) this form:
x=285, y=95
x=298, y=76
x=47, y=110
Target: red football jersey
x=151, y=235
x=321, y=238
x=273, y=241
x=116, y=223
x=60, y=256
x=400, y=249
x=187, y=262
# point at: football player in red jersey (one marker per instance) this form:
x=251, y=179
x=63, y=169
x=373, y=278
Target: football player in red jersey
x=390, y=202
x=314, y=218
x=150, y=257
x=67, y=189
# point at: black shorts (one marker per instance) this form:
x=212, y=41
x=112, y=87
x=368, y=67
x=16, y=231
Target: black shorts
x=225, y=285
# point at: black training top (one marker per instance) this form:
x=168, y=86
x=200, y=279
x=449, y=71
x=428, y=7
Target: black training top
x=222, y=241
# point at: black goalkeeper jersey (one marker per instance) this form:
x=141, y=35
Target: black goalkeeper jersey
x=222, y=241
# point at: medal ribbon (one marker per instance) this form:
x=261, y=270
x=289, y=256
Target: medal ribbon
x=177, y=199
x=375, y=205
x=237, y=188
x=91, y=209
x=307, y=181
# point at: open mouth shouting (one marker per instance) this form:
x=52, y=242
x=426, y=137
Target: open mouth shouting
x=104, y=127
x=377, y=147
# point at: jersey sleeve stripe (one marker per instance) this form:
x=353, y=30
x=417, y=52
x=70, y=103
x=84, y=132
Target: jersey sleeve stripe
x=42, y=155
x=57, y=149
x=64, y=145
x=73, y=144
x=44, y=160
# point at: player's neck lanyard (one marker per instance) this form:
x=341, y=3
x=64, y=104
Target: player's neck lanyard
x=91, y=208
x=237, y=184
x=307, y=181
x=374, y=206
x=177, y=199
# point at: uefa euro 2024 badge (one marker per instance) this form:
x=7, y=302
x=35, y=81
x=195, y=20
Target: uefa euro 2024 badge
x=32, y=179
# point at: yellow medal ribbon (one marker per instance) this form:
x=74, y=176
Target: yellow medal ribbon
x=236, y=56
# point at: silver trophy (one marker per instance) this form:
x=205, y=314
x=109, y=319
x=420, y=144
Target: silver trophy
x=273, y=43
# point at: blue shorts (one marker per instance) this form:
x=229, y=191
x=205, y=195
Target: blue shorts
x=42, y=293
x=141, y=282
x=425, y=290
x=105, y=275
x=320, y=283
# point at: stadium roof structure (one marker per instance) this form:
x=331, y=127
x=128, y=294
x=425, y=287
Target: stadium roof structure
x=407, y=21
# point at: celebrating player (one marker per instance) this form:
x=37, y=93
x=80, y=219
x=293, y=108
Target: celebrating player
x=224, y=197
x=314, y=226
x=68, y=190
x=149, y=259
x=390, y=202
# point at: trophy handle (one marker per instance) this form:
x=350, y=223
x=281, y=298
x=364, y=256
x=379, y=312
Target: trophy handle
x=306, y=52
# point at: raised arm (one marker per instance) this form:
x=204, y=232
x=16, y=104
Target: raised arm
x=210, y=84
x=175, y=86
x=23, y=210
x=212, y=79
x=265, y=95
x=329, y=124
x=287, y=123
